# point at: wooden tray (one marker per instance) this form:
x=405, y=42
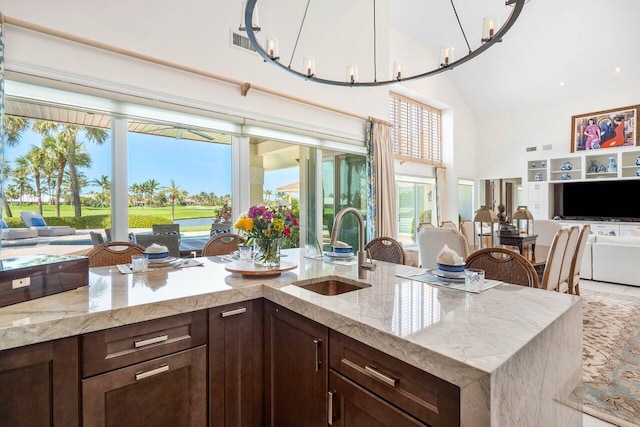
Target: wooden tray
x=248, y=268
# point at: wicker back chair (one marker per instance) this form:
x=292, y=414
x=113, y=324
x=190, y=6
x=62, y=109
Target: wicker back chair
x=386, y=249
x=504, y=265
x=104, y=254
x=222, y=244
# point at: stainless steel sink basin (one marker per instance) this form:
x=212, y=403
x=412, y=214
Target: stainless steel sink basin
x=331, y=285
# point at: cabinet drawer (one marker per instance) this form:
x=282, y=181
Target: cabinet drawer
x=110, y=349
x=166, y=391
x=426, y=397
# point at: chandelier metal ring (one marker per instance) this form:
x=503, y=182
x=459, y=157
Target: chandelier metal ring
x=486, y=44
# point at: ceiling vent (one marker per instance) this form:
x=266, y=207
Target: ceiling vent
x=531, y=149
x=240, y=41
x=547, y=147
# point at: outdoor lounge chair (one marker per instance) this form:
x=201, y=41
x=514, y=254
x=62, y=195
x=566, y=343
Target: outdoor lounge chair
x=17, y=233
x=34, y=219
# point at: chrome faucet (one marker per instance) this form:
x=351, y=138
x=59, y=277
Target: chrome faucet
x=363, y=264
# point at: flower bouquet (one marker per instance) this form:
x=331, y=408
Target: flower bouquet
x=263, y=227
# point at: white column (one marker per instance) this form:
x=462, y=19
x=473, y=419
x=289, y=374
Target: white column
x=240, y=181
x=119, y=186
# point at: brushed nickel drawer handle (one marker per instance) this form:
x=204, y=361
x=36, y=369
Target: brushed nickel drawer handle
x=143, y=375
x=150, y=341
x=330, y=408
x=318, y=361
x=373, y=372
x=233, y=312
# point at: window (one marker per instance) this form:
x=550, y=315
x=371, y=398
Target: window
x=416, y=204
x=416, y=133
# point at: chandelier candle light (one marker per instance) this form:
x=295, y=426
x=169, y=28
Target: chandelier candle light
x=491, y=33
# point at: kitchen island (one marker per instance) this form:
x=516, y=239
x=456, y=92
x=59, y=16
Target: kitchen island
x=514, y=352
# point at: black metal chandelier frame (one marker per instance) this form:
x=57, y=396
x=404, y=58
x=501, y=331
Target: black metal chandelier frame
x=486, y=44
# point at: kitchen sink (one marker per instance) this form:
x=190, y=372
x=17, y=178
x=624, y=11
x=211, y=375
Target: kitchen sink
x=332, y=285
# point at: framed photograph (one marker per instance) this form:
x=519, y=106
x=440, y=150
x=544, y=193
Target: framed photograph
x=605, y=129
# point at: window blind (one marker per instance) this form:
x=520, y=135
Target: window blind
x=416, y=133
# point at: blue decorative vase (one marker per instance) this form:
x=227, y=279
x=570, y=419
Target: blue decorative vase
x=593, y=168
x=613, y=165
x=544, y=164
x=566, y=166
x=638, y=161
x=537, y=177
x=565, y=177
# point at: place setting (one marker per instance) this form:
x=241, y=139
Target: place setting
x=155, y=257
x=452, y=273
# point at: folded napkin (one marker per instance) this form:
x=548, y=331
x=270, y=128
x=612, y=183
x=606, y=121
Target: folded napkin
x=448, y=256
x=155, y=248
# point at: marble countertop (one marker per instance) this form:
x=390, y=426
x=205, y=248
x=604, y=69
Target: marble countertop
x=458, y=336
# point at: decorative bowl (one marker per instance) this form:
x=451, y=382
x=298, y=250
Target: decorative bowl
x=342, y=249
x=157, y=255
x=458, y=268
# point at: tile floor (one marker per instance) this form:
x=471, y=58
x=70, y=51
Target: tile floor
x=589, y=421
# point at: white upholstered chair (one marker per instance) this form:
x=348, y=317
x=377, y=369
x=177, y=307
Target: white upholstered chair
x=551, y=275
x=432, y=240
x=567, y=259
x=576, y=262
x=546, y=229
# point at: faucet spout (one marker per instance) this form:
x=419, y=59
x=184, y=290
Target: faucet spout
x=337, y=224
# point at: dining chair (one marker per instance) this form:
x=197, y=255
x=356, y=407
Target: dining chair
x=467, y=228
x=96, y=238
x=546, y=229
x=567, y=259
x=166, y=229
x=505, y=265
x=432, y=240
x=112, y=253
x=107, y=233
x=425, y=225
x=449, y=224
x=386, y=249
x=551, y=275
x=222, y=244
x=171, y=241
x=576, y=262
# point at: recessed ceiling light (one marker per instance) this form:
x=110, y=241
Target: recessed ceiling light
x=617, y=69
x=561, y=83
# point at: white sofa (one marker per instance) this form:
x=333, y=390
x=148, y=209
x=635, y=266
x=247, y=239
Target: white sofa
x=612, y=259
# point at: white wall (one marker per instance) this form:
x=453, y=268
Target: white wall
x=504, y=137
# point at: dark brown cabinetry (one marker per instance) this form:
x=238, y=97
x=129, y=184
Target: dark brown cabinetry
x=147, y=374
x=295, y=369
x=364, y=379
x=39, y=385
x=236, y=364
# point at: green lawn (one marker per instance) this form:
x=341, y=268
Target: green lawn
x=181, y=212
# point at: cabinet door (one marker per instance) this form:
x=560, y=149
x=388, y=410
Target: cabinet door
x=39, y=385
x=295, y=369
x=352, y=406
x=166, y=391
x=235, y=365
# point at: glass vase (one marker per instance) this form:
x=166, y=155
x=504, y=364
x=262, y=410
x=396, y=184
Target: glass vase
x=267, y=252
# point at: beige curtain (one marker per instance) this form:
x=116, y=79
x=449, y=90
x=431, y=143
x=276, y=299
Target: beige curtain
x=381, y=200
x=441, y=192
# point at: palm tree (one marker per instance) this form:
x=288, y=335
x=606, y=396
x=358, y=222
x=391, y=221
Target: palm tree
x=150, y=187
x=174, y=193
x=57, y=150
x=136, y=193
x=105, y=188
x=13, y=129
x=34, y=162
x=69, y=134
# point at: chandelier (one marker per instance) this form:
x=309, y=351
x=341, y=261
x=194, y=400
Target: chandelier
x=491, y=33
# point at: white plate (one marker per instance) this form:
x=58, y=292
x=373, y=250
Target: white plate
x=162, y=260
x=339, y=254
x=448, y=275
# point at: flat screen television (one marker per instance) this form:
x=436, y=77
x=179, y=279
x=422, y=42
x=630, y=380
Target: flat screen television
x=599, y=200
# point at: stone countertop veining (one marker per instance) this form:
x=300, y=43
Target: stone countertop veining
x=458, y=336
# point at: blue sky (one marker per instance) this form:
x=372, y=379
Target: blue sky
x=194, y=166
